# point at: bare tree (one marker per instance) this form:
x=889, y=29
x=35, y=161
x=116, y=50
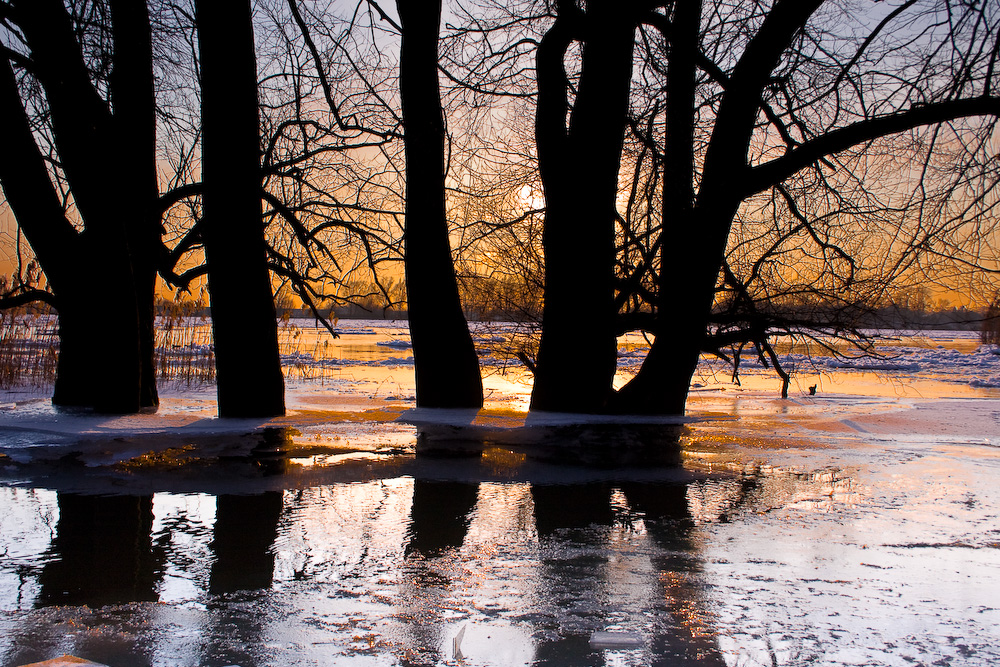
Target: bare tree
x=446, y=365
x=714, y=173
x=318, y=238
x=243, y=313
x=815, y=151
x=82, y=112
x=335, y=165
x=786, y=164
x=578, y=161
x=332, y=160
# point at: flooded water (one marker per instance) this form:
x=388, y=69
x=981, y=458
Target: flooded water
x=845, y=528
x=511, y=546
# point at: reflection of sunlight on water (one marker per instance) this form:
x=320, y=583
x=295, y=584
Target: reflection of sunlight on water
x=870, y=383
x=327, y=533
x=500, y=460
x=822, y=491
x=28, y=519
x=710, y=501
x=504, y=513
x=492, y=573
x=888, y=566
x=627, y=522
x=508, y=388
x=321, y=460
x=631, y=579
x=182, y=532
x=762, y=488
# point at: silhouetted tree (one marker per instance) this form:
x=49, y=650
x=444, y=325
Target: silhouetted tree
x=786, y=162
x=249, y=379
x=769, y=94
x=445, y=361
x=333, y=184
x=578, y=161
x=780, y=175
x=97, y=239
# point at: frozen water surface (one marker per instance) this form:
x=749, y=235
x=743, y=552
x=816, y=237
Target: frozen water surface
x=854, y=527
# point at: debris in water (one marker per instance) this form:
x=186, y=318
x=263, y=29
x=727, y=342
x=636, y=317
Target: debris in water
x=456, y=645
x=65, y=661
x=615, y=640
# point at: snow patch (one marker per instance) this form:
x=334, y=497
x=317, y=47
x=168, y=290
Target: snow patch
x=397, y=343
x=991, y=382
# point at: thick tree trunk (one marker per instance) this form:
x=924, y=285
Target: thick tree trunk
x=98, y=364
x=444, y=356
x=56, y=244
x=695, y=248
x=244, y=324
x=577, y=356
x=662, y=384
x=133, y=95
x=103, y=364
x=688, y=287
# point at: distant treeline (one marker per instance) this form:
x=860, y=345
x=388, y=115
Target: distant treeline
x=487, y=300
x=495, y=301
x=950, y=319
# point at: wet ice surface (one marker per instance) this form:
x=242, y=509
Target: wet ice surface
x=841, y=529
x=891, y=559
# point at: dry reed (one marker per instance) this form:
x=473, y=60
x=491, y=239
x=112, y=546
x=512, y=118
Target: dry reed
x=28, y=349
x=184, y=353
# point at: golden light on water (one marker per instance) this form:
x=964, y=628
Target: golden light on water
x=501, y=460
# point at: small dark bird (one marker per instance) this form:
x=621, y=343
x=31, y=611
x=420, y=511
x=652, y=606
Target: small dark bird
x=812, y=390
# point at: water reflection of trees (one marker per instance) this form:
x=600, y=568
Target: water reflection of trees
x=101, y=552
x=647, y=560
x=100, y=555
x=246, y=527
x=602, y=540
x=243, y=541
x=571, y=540
x=439, y=516
x=439, y=522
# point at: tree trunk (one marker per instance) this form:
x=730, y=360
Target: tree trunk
x=444, y=356
x=98, y=364
x=133, y=95
x=662, y=384
x=577, y=356
x=244, y=324
x=103, y=364
x=695, y=248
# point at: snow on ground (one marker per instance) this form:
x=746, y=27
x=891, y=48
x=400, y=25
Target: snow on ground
x=363, y=367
